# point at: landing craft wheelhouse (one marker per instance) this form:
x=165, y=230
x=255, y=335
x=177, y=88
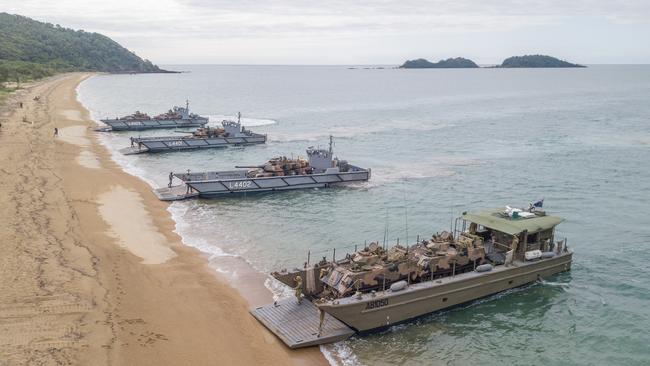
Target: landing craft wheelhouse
x=488, y=252
x=319, y=170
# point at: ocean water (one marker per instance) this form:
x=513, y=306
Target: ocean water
x=439, y=142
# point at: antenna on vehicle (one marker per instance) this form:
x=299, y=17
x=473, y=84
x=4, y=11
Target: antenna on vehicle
x=386, y=229
x=451, y=214
x=331, y=145
x=238, y=117
x=406, y=215
x=187, y=105
x=451, y=220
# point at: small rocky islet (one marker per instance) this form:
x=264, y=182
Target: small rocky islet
x=450, y=63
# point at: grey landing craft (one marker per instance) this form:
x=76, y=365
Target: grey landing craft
x=320, y=170
x=177, y=117
x=488, y=252
x=231, y=134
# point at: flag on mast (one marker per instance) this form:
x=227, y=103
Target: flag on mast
x=538, y=204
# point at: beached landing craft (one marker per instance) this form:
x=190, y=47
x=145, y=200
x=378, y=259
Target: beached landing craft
x=278, y=174
x=178, y=117
x=488, y=252
x=232, y=134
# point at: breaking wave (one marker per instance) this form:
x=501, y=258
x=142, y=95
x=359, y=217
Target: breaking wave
x=339, y=353
x=183, y=228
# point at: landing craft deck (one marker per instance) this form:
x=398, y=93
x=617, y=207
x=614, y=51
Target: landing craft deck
x=297, y=324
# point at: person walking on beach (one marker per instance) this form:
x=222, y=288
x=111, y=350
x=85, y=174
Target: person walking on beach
x=56, y=132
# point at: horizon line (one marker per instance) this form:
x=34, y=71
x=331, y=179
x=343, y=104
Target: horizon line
x=395, y=65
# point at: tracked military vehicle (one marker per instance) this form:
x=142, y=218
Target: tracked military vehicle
x=232, y=133
x=319, y=170
x=376, y=287
x=177, y=117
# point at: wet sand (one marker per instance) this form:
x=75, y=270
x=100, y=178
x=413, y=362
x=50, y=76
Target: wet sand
x=91, y=272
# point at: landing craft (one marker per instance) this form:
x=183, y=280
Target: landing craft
x=232, y=133
x=488, y=252
x=320, y=170
x=177, y=117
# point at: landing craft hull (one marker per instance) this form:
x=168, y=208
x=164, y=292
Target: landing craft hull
x=148, y=124
x=215, y=184
x=386, y=309
x=213, y=188
x=165, y=144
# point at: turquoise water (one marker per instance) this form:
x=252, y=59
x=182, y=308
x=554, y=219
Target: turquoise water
x=439, y=142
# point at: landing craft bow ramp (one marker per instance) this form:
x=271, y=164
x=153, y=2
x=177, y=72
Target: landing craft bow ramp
x=297, y=324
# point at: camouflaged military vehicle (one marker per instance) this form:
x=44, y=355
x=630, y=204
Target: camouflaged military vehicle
x=374, y=268
x=487, y=252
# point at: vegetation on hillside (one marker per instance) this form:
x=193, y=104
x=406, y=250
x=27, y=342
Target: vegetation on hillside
x=449, y=63
x=30, y=49
x=16, y=71
x=536, y=61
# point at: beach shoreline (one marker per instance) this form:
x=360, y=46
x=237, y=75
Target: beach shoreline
x=94, y=272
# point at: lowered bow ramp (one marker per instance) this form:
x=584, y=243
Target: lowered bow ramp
x=174, y=193
x=297, y=324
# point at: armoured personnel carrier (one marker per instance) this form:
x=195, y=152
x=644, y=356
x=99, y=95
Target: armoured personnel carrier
x=230, y=134
x=376, y=287
x=177, y=117
x=319, y=170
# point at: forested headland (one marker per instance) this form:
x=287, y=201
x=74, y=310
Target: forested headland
x=30, y=50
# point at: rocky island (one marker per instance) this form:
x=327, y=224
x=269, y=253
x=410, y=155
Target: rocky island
x=535, y=61
x=526, y=61
x=450, y=63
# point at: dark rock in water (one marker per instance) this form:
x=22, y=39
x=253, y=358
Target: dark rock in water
x=449, y=63
x=535, y=61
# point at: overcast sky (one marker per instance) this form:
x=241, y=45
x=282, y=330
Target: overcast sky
x=357, y=32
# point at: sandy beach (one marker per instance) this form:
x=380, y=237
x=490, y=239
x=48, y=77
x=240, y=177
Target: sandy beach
x=91, y=272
